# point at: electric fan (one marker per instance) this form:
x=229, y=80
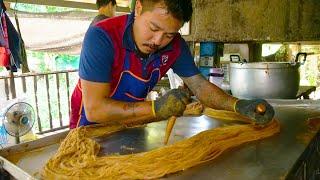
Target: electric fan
x=18, y=119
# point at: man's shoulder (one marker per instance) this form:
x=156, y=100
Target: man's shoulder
x=99, y=18
x=113, y=22
x=113, y=27
x=178, y=42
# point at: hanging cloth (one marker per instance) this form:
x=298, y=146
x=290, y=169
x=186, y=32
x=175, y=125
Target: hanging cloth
x=14, y=41
x=23, y=54
x=4, y=45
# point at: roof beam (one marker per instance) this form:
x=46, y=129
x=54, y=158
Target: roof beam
x=71, y=4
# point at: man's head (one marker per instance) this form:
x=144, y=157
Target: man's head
x=158, y=21
x=106, y=7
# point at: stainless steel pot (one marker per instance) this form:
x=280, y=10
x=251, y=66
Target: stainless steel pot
x=268, y=80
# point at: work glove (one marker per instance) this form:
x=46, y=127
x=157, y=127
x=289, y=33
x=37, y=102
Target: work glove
x=259, y=110
x=173, y=103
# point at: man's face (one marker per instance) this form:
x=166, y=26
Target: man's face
x=154, y=29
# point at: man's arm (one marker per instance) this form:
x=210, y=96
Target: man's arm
x=209, y=94
x=214, y=97
x=100, y=108
x=95, y=73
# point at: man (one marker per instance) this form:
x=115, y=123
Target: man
x=106, y=9
x=123, y=58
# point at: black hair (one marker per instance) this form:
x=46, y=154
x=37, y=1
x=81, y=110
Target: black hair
x=180, y=9
x=101, y=3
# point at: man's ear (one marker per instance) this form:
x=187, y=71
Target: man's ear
x=138, y=8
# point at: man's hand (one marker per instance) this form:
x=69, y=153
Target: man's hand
x=258, y=110
x=173, y=103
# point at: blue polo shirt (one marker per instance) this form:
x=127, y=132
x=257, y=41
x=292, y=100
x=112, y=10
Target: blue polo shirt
x=97, y=54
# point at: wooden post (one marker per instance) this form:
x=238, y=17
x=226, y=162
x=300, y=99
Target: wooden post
x=255, y=51
x=12, y=85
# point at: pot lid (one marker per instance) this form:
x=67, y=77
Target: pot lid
x=264, y=65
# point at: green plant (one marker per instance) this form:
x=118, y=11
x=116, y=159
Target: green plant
x=33, y=8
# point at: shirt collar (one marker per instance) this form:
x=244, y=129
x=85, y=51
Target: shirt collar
x=128, y=41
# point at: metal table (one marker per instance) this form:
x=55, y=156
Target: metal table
x=271, y=158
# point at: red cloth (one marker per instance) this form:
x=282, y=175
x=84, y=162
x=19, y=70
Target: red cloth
x=4, y=57
x=76, y=106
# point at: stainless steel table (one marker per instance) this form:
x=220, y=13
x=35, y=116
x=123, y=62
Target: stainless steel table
x=271, y=158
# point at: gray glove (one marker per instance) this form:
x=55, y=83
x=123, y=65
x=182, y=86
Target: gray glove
x=259, y=110
x=173, y=103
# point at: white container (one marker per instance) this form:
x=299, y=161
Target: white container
x=216, y=76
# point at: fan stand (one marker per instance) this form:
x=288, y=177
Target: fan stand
x=17, y=122
x=17, y=137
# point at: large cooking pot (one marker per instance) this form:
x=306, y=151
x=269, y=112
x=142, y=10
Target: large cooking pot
x=268, y=80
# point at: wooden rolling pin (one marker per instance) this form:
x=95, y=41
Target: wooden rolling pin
x=170, y=124
x=194, y=108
